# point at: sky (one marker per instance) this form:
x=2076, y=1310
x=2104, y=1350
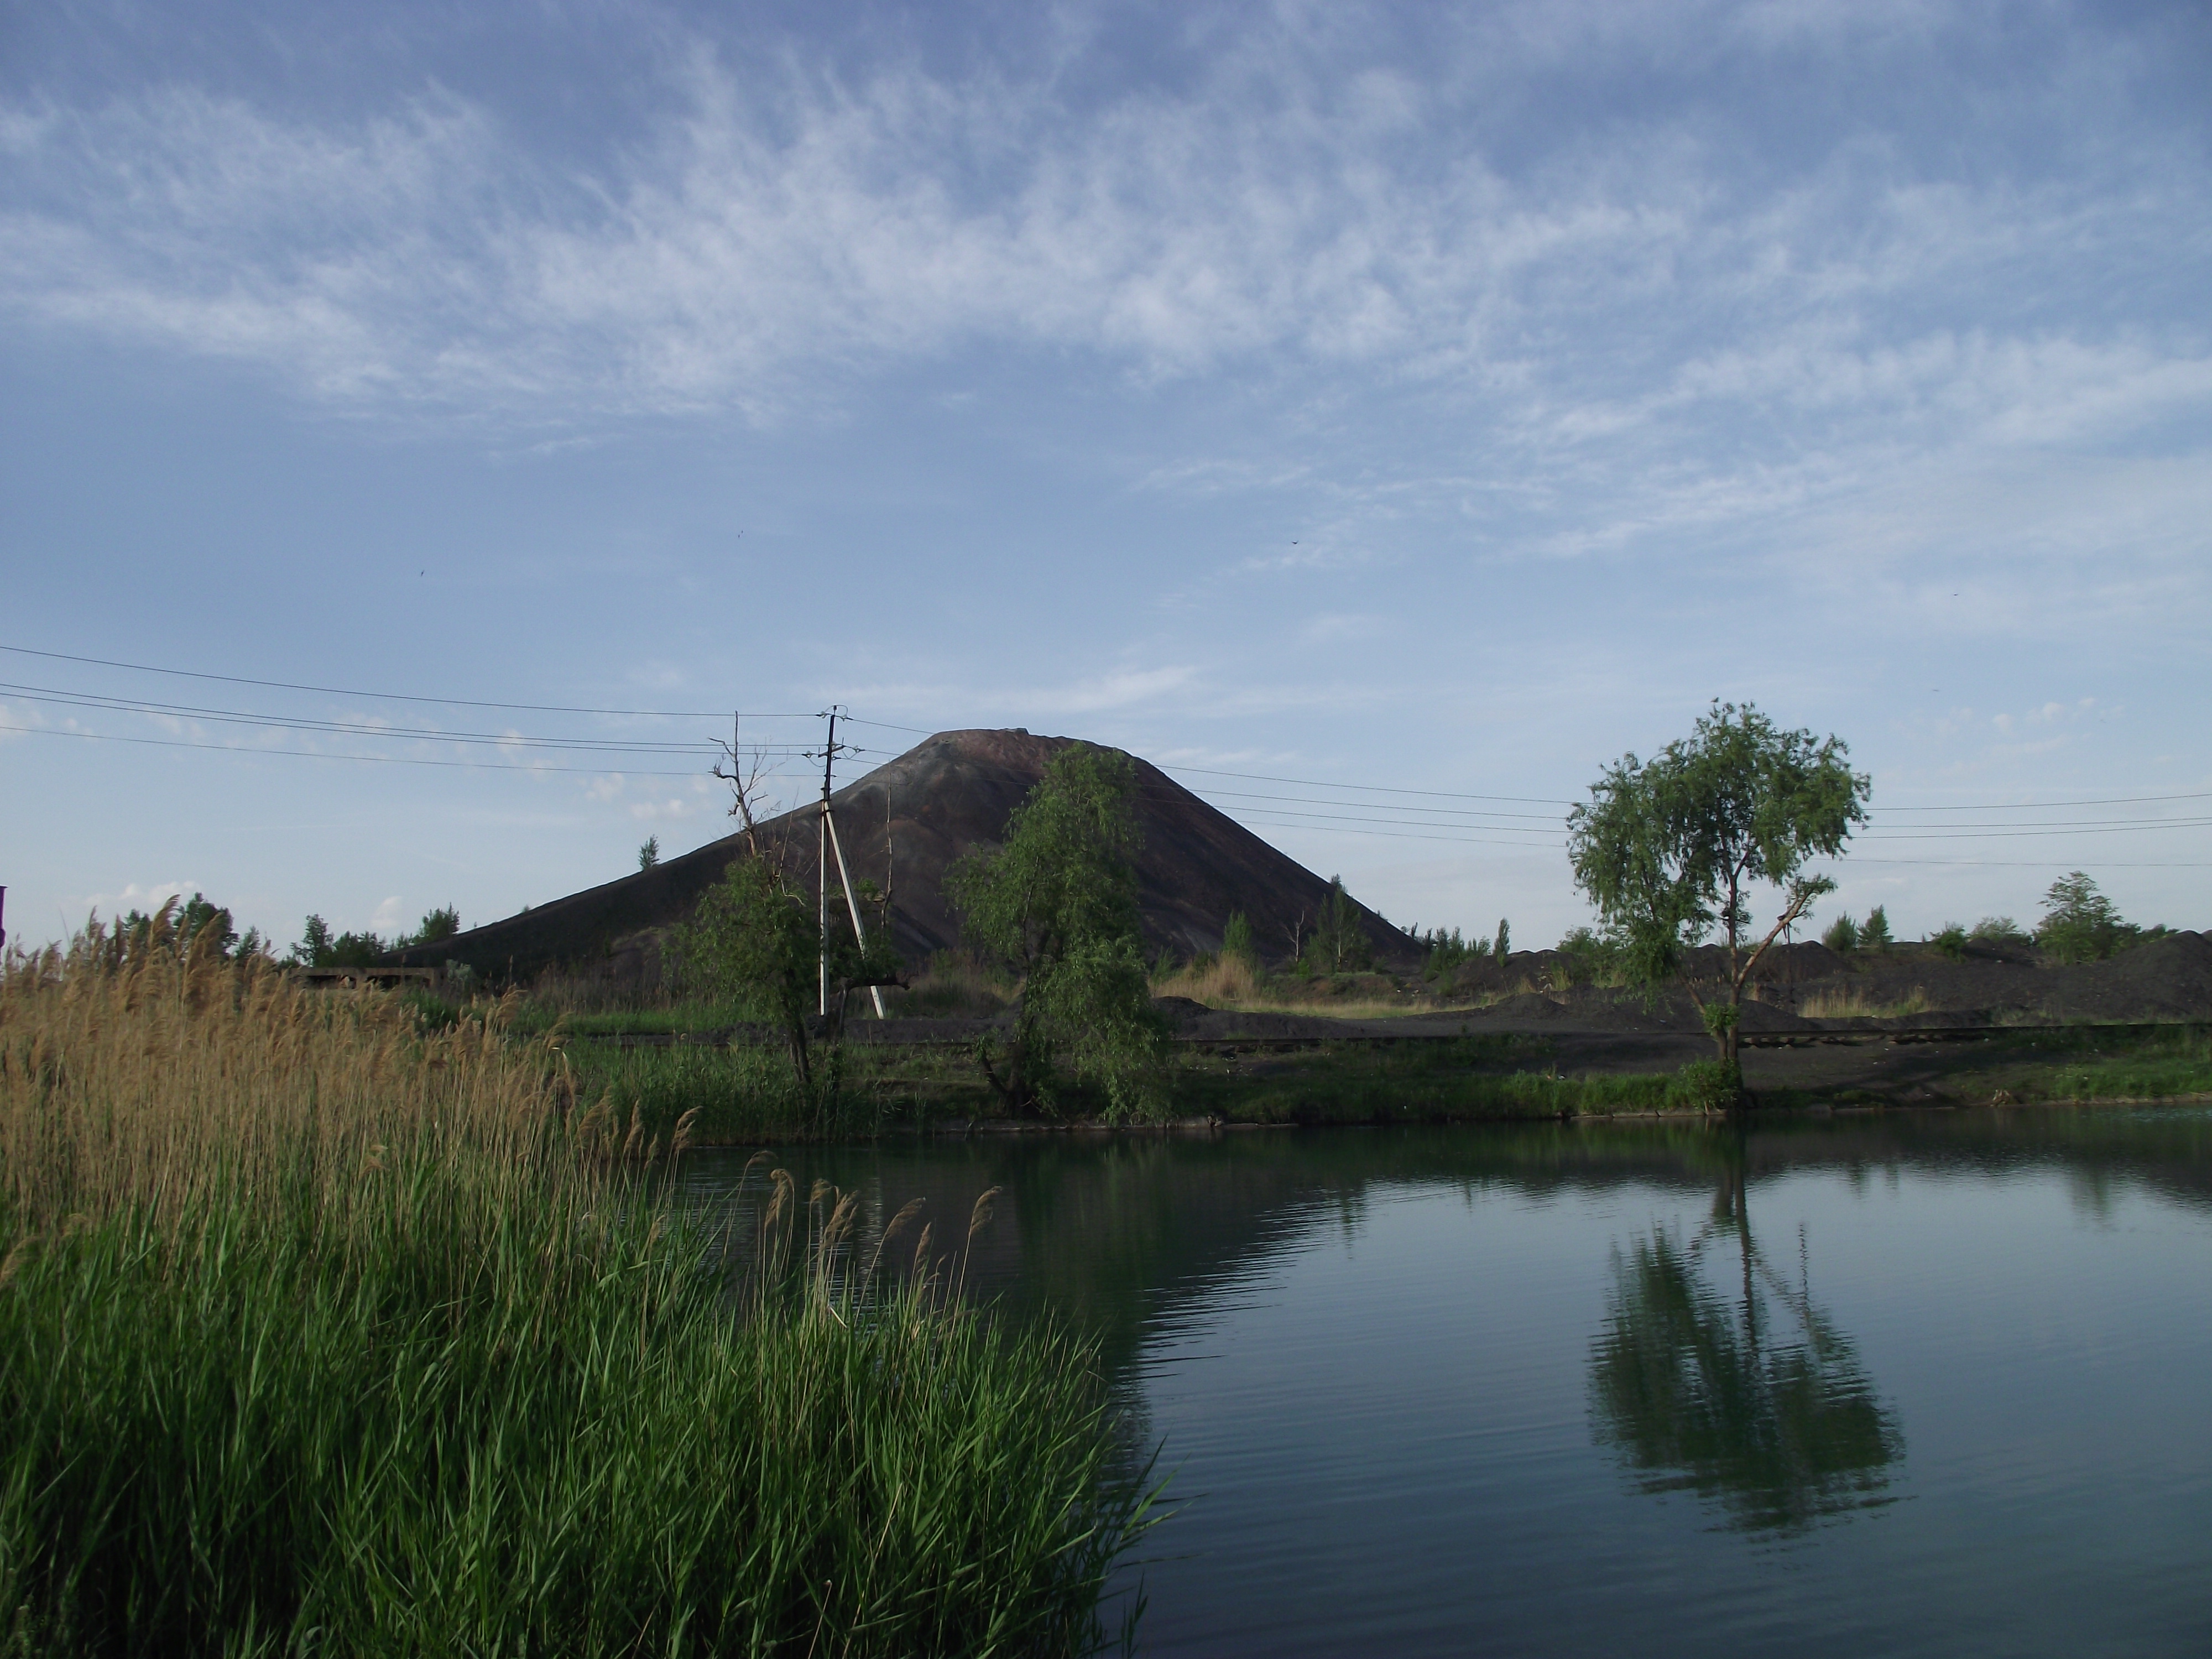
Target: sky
x=1387, y=415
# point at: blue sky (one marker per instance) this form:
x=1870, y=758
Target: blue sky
x=1408, y=399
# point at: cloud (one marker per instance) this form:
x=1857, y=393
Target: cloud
x=773, y=231
x=140, y=896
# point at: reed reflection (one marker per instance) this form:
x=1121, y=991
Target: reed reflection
x=1749, y=1396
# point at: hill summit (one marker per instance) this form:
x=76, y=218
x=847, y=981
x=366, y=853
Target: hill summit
x=902, y=825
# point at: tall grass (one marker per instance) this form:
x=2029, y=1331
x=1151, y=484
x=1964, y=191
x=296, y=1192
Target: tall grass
x=320, y=1333
x=1851, y=1002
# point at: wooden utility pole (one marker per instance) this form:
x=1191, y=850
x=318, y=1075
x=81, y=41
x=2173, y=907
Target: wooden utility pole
x=822, y=860
x=828, y=846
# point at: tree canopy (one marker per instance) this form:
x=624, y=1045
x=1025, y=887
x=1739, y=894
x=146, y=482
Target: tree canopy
x=1671, y=849
x=1056, y=903
x=2081, y=924
x=757, y=940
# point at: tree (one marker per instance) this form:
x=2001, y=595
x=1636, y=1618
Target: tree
x=1237, y=943
x=1503, y=946
x=1056, y=901
x=1340, y=943
x=649, y=853
x=313, y=950
x=1670, y=848
x=756, y=939
x=2080, y=924
x=206, y=923
x=1874, y=935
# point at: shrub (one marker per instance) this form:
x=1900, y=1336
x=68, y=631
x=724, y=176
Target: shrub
x=1237, y=944
x=1951, y=941
x=1842, y=935
x=1998, y=930
x=2080, y=924
x=1705, y=1085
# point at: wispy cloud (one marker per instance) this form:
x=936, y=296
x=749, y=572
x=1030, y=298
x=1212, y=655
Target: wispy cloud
x=776, y=230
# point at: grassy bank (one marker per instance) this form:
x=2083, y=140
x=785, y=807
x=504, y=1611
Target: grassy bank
x=321, y=1333
x=2093, y=1063
x=1463, y=1080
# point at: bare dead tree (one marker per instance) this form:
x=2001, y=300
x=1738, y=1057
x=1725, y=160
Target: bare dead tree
x=746, y=774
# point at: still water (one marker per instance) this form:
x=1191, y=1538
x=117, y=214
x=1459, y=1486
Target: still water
x=1899, y=1384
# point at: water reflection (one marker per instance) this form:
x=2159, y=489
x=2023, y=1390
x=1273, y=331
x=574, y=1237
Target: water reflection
x=1750, y=1397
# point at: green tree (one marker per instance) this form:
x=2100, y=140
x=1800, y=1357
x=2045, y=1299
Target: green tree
x=757, y=940
x=1339, y=944
x=313, y=950
x=1236, y=941
x=1056, y=901
x=1874, y=933
x=2080, y=924
x=437, y=925
x=1502, y=947
x=1842, y=935
x=1670, y=848
x=204, y=922
x=649, y=853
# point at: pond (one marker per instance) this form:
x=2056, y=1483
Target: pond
x=1894, y=1383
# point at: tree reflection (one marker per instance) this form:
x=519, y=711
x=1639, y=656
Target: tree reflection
x=1753, y=1398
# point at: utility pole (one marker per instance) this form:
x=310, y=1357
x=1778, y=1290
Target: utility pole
x=827, y=847
x=822, y=860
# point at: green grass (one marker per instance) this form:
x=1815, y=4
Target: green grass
x=526, y=1432
x=746, y=1094
x=1457, y=1081
x=327, y=1329
x=2147, y=1068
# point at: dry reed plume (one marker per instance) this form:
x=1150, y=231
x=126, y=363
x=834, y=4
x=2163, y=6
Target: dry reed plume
x=161, y=1082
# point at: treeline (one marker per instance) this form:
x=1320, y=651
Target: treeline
x=2080, y=924
x=199, y=926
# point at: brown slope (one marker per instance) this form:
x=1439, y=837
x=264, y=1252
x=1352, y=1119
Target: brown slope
x=930, y=805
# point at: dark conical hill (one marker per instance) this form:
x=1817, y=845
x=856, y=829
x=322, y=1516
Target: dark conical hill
x=910, y=818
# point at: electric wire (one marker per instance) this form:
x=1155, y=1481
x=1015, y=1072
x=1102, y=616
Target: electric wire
x=403, y=697
x=1355, y=816
x=313, y=754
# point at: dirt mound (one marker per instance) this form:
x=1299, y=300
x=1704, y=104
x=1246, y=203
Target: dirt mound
x=905, y=822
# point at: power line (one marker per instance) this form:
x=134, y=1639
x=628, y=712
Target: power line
x=1207, y=792
x=2037, y=864
x=352, y=728
x=1410, y=823
x=2048, y=806
x=405, y=696
x=1407, y=835
x=1367, y=788
x=652, y=746
x=312, y=754
x=1962, y=832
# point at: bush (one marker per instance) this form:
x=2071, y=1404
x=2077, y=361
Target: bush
x=1951, y=941
x=1237, y=944
x=1705, y=1085
x=2000, y=931
x=2080, y=924
x=1842, y=935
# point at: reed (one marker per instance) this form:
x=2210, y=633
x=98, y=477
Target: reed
x=322, y=1333
x=1851, y=1002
